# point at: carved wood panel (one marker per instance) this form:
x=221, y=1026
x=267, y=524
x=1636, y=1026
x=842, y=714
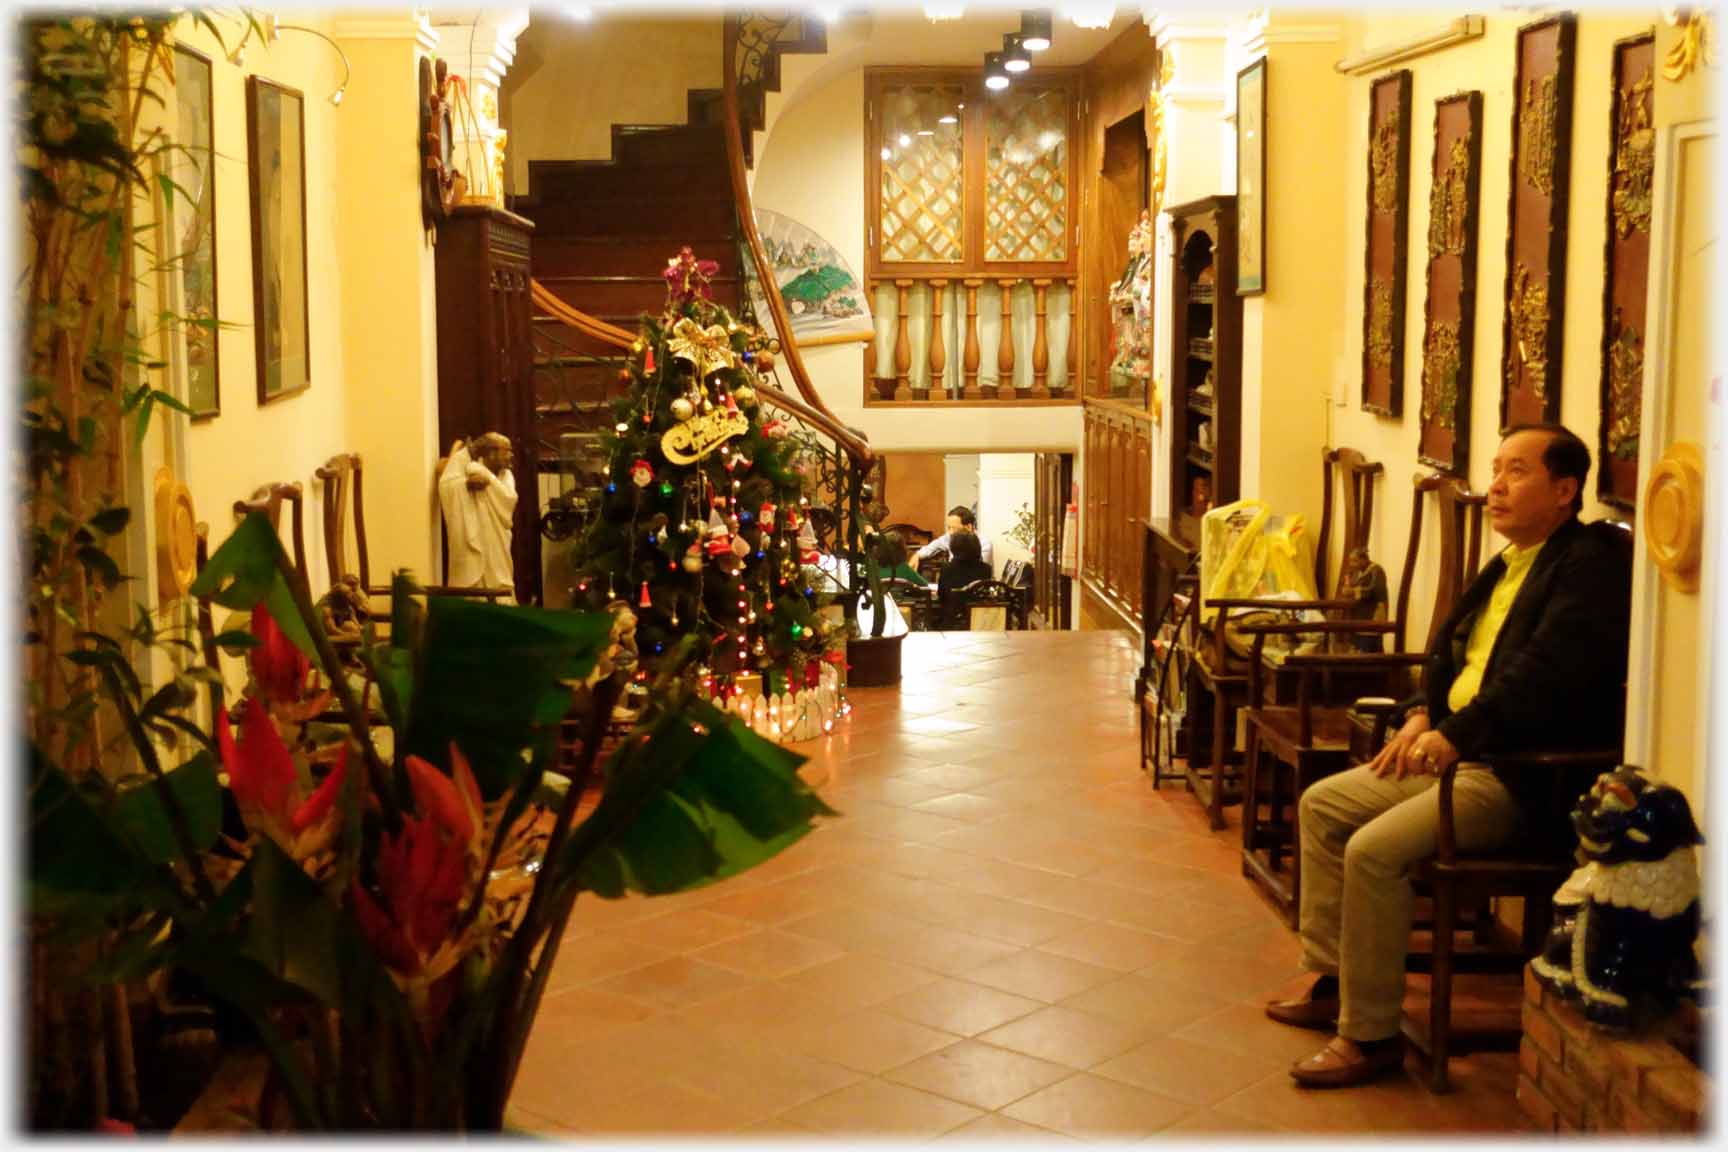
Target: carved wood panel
x=1448, y=327
x=1534, y=319
x=1384, y=280
x=1633, y=151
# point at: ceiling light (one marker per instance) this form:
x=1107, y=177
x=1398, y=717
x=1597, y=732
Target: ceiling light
x=905, y=140
x=578, y=12
x=1035, y=29
x=995, y=75
x=830, y=13
x=274, y=32
x=948, y=119
x=926, y=131
x=1090, y=13
x=1014, y=57
x=935, y=10
x=887, y=153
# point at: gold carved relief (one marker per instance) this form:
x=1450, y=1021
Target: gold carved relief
x=1536, y=132
x=1383, y=163
x=1634, y=160
x=1448, y=204
x=1379, y=324
x=1625, y=388
x=1529, y=346
x=1440, y=366
x=1694, y=46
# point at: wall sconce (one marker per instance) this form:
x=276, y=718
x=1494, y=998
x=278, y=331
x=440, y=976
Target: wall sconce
x=995, y=75
x=1035, y=30
x=1015, y=58
x=272, y=31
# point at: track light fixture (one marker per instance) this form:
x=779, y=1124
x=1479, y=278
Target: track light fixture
x=1035, y=29
x=347, y=70
x=995, y=74
x=1015, y=58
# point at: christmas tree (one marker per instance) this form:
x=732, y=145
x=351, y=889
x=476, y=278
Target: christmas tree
x=701, y=532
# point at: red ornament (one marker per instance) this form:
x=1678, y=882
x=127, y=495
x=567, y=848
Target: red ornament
x=645, y=602
x=648, y=361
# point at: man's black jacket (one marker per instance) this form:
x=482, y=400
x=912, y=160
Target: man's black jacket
x=1557, y=673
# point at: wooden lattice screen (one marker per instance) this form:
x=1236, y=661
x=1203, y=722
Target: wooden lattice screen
x=1026, y=175
x=922, y=207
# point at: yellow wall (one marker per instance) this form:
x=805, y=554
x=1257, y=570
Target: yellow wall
x=572, y=80
x=1485, y=64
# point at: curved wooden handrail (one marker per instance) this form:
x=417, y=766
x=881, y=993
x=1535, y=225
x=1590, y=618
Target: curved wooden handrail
x=855, y=447
x=577, y=319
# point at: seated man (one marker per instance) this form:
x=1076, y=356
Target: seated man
x=966, y=566
x=1533, y=656
x=960, y=518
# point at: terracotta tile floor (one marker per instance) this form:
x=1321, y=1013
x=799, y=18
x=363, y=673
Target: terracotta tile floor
x=1007, y=934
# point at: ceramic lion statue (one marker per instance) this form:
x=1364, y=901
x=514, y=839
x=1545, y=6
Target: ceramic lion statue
x=1626, y=920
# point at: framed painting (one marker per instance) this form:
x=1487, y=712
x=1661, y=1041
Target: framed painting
x=276, y=150
x=1632, y=135
x=1448, y=324
x=1535, y=295
x=1384, y=277
x=191, y=199
x=1251, y=179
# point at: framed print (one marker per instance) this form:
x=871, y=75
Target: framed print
x=1384, y=278
x=276, y=150
x=1448, y=324
x=192, y=226
x=1632, y=136
x=1535, y=297
x=1251, y=179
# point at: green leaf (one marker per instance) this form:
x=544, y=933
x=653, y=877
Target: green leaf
x=243, y=572
x=493, y=676
x=100, y=565
x=111, y=521
x=79, y=867
x=236, y=641
x=141, y=815
x=168, y=399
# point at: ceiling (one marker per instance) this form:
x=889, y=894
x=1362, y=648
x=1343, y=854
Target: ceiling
x=906, y=36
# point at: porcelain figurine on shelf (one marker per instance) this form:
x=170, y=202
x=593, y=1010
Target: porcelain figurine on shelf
x=1625, y=921
x=1131, y=312
x=477, y=493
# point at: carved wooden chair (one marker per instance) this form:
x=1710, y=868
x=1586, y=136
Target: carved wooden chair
x=914, y=600
x=268, y=499
x=992, y=606
x=343, y=482
x=1293, y=744
x=1220, y=678
x=913, y=536
x=1458, y=884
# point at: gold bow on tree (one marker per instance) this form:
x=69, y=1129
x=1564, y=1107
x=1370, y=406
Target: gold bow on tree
x=707, y=349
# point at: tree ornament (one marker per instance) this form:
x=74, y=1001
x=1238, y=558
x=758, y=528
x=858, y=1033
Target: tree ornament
x=766, y=516
x=648, y=361
x=764, y=361
x=682, y=409
x=641, y=473
x=758, y=649
x=731, y=404
x=775, y=430
x=745, y=395
x=740, y=547
x=693, y=558
x=706, y=349
x=645, y=602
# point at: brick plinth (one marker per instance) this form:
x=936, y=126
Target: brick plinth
x=1574, y=1078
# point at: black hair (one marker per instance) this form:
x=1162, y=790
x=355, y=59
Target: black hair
x=965, y=515
x=964, y=545
x=1565, y=455
x=892, y=552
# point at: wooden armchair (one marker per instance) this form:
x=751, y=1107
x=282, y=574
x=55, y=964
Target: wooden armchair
x=343, y=481
x=268, y=499
x=1291, y=746
x=914, y=600
x=911, y=535
x=1221, y=678
x=992, y=606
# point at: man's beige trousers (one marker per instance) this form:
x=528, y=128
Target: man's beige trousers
x=1360, y=835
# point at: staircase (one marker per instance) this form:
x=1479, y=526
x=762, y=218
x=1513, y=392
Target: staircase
x=603, y=231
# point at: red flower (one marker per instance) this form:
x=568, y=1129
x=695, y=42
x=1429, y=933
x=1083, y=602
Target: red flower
x=436, y=795
x=278, y=667
x=260, y=771
x=318, y=805
x=421, y=871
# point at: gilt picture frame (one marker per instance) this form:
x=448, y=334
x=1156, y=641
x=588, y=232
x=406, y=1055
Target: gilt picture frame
x=281, y=309
x=1251, y=179
x=1448, y=322
x=1385, y=249
x=191, y=212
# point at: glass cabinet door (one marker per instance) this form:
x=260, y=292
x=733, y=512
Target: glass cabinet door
x=1026, y=203
x=923, y=214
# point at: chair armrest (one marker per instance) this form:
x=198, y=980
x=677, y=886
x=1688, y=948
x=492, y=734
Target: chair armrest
x=1259, y=602
x=1335, y=626
x=444, y=590
x=1358, y=660
x=1606, y=759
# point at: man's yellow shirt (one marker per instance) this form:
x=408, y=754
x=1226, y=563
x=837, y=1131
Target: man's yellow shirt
x=1487, y=626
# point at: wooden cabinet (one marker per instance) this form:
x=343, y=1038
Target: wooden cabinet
x=1118, y=490
x=1205, y=362
x=486, y=357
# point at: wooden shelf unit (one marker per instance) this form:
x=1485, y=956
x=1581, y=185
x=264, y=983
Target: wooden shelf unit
x=1206, y=342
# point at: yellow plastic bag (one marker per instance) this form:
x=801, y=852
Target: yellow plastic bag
x=1249, y=551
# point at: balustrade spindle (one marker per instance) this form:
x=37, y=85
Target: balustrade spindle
x=1005, y=344
x=1040, y=346
x=902, y=343
x=1070, y=385
x=972, y=392
x=938, y=358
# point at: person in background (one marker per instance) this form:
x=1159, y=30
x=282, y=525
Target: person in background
x=960, y=518
x=893, y=565
x=965, y=565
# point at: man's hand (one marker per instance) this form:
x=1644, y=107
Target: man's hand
x=1417, y=750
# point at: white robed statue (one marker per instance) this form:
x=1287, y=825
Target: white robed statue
x=477, y=492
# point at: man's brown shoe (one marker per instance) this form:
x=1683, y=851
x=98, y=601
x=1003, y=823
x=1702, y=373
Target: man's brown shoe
x=1307, y=1012
x=1343, y=1063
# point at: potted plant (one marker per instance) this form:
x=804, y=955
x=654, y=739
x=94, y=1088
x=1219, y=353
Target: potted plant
x=873, y=661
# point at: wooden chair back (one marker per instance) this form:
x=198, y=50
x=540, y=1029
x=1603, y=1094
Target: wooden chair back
x=1460, y=516
x=268, y=499
x=344, y=488
x=1355, y=474
x=992, y=606
x=913, y=536
x=913, y=600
